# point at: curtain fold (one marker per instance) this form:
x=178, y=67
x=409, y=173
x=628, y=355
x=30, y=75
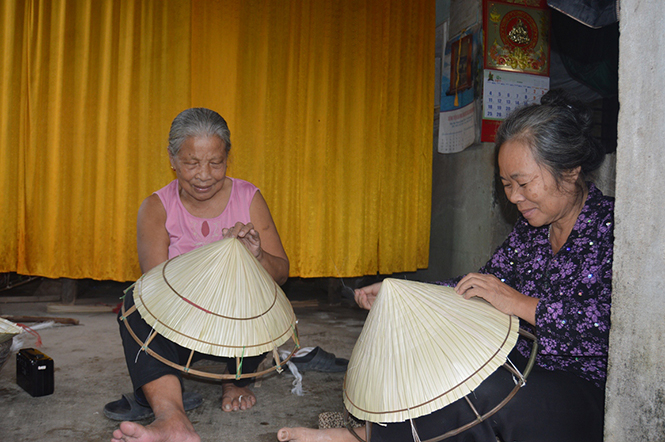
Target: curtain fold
x=99, y=82
x=329, y=106
x=12, y=22
x=330, y=109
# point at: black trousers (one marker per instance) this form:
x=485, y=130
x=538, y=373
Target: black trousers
x=143, y=368
x=553, y=406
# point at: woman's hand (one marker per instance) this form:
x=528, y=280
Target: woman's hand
x=503, y=297
x=247, y=235
x=366, y=296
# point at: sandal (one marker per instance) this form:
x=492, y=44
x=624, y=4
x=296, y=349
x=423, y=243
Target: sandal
x=320, y=360
x=337, y=419
x=129, y=409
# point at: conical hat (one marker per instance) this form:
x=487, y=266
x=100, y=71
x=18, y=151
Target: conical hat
x=422, y=347
x=217, y=299
x=8, y=330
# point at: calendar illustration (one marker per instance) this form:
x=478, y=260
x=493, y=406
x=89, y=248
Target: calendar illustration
x=457, y=129
x=461, y=74
x=505, y=91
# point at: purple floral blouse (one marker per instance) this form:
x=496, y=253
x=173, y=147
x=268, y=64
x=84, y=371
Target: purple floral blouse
x=574, y=287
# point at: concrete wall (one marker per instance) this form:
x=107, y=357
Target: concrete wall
x=635, y=408
x=468, y=221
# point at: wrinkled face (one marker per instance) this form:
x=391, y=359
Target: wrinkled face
x=533, y=189
x=201, y=167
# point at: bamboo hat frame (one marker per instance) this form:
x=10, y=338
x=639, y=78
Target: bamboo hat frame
x=423, y=347
x=218, y=300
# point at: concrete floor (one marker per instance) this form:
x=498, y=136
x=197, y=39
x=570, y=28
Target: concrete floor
x=90, y=371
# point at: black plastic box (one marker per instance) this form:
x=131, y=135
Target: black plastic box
x=34, y=372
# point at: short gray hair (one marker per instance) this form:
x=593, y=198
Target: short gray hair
x=197, y=122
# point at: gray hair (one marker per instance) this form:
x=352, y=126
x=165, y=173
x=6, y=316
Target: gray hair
x=558, y=132
x=197, y=122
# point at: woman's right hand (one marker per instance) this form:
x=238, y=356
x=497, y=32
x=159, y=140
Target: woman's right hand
x=366, y=296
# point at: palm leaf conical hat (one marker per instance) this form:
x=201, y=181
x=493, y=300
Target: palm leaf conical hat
x=217, y=299
x=422, y=347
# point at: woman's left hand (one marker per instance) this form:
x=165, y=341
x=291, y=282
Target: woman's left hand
x=247, y=235
x=503, y=297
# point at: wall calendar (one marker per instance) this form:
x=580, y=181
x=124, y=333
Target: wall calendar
x=503, y=92
x=516, y=58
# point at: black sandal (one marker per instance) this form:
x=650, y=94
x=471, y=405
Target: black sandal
x=129, y=409
x=320, y=360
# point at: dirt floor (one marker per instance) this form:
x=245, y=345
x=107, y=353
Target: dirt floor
x=90, y=371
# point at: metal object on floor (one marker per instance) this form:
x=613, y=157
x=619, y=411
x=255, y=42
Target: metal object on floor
x=34, y=372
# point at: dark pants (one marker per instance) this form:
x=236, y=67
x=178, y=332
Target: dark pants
x=553, y=406
x=143, y=368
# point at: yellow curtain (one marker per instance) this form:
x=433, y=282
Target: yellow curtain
x=329, y=106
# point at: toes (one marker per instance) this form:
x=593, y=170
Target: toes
x=227, y=404
x=247, y=402
x=283, y=435
x=233, y=404
x=235, y=399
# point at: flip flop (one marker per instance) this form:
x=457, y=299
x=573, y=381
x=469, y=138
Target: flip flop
x=320, y=360
x=128, y=409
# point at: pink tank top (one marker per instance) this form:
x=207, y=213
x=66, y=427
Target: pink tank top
x=188, y=232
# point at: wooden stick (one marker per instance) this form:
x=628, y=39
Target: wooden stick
x=65, y=308
x=14, y=318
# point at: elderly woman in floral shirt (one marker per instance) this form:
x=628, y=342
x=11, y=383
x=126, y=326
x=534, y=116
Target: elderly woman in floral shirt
x=554, y=272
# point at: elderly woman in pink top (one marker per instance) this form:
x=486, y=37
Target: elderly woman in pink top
x=201, y=206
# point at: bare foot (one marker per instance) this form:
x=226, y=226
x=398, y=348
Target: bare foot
x=237, y=398
x=311, y=435
x=176, y=428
